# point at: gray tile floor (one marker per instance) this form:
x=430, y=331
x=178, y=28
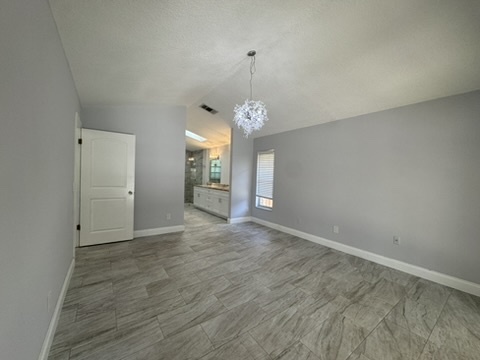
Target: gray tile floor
x=246, y=292
x=196, y=217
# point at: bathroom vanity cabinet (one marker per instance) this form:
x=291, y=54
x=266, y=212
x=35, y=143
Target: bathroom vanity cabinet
x=212, y=200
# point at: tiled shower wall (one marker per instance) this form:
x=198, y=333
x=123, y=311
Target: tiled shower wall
x=193, y=172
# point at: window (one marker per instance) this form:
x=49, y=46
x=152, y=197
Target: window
x=264, y=194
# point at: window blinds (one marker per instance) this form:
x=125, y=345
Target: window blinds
x=265, y=165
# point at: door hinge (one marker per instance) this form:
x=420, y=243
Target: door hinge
x=80, y=141
x=78, y=227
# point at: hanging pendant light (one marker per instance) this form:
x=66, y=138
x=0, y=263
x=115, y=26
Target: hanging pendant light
x=252, y=115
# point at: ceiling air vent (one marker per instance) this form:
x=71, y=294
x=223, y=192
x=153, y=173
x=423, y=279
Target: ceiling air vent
x=209, y=109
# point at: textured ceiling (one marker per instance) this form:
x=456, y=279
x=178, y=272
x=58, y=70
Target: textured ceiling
x=317, y=61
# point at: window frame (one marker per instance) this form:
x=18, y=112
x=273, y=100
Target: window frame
x=260, y=197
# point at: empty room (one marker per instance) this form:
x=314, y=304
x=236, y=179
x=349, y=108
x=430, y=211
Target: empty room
x=239, y=180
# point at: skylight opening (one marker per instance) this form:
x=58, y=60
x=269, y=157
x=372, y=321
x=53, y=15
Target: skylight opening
x=194, y=136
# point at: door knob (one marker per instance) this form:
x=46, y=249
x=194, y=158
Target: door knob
x=130, y=193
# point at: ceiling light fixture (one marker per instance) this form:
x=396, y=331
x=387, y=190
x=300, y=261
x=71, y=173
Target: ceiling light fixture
x=252, y=115
x=194, y=136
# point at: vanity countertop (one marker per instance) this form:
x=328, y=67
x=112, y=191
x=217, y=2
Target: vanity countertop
x=216, y=187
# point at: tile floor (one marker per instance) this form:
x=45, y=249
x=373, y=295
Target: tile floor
x=196, y=217
x=246, y=292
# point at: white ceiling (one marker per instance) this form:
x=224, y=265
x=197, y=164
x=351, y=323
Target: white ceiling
x=317, y=61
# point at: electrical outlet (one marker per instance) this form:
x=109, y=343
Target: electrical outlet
x=336, y=229
x=169, y=216
x=396, y=240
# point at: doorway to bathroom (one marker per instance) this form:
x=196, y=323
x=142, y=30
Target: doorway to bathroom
x=207, y=186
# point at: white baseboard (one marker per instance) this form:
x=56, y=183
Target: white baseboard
x=158, y=231
x=456, y=283
x=47, y=343
x=239, y=220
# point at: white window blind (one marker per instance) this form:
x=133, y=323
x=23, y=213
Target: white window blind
x=265, y=170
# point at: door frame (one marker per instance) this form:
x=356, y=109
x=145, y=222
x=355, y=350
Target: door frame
x=76, y=183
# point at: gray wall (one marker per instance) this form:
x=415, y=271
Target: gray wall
x=38, y=101
x=241, y=169
x=413, y=171
x=160, y=154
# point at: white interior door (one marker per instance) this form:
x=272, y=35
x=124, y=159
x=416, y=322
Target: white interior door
x=107, y=187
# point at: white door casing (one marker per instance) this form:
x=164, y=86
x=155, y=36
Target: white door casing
x=76, y=183
x=107, y=187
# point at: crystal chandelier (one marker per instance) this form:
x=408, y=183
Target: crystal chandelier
x=252, y=115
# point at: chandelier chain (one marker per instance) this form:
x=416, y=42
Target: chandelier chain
x=252, y=71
